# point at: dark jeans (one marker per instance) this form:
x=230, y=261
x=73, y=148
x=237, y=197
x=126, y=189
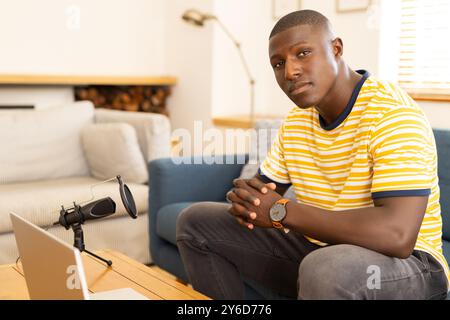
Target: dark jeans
x=218, y=253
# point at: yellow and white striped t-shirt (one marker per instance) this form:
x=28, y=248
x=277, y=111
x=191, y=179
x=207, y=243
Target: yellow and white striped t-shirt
x=381, y=146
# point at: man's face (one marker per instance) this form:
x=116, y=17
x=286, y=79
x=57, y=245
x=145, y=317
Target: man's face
x=304, y=60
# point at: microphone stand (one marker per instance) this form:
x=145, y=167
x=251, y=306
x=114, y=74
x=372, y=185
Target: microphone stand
x=79, y=243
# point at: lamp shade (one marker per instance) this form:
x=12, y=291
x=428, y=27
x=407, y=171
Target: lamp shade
x=196, y=17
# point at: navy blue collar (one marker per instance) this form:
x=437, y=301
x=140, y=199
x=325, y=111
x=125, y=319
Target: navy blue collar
x=365, y=74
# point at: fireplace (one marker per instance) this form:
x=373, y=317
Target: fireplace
x=129, y=98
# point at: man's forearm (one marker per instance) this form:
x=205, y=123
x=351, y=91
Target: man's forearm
x=375, y=228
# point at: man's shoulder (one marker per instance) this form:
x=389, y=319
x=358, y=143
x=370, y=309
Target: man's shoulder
x=385, y=97
x=386, y=93
x=392, y=107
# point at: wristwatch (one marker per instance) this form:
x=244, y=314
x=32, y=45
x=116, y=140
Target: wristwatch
x=277, y=213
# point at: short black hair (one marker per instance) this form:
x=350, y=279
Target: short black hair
x=301, y=17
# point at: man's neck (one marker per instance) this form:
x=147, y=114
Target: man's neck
x=334, y=103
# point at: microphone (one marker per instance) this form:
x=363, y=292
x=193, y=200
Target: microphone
x=94, y=210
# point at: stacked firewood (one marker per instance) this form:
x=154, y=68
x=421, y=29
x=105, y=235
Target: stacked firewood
x=128, y=98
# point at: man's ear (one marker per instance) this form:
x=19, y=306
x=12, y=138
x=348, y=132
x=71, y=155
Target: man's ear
x=338, y=47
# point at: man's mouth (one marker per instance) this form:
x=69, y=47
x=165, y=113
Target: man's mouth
x=299, y=87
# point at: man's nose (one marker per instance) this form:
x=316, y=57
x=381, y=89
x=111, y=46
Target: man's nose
x=292, y=71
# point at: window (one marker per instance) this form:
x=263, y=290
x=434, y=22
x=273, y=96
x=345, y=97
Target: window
x=424, y=48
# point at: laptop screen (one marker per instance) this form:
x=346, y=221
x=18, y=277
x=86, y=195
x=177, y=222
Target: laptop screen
x=52, y=268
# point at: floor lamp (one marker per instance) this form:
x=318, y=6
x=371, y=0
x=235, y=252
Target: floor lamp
x=198, y=18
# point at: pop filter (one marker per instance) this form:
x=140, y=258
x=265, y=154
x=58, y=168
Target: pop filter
x=127, y=198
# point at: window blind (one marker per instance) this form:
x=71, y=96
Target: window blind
x=425, y=45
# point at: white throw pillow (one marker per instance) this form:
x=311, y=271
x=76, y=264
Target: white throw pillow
x=43, y=144
x=112, y=149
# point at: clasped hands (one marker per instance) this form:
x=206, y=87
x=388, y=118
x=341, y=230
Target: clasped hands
x=251, y=200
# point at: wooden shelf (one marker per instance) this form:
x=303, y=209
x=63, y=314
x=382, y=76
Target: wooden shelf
x=430, y=94
x=71, y=80
x=243, y=122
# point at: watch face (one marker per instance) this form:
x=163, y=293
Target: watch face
x=277, y=212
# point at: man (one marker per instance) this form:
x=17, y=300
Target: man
x=361, y=157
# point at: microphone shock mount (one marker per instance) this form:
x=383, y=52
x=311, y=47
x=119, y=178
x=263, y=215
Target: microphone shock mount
x=78, y=231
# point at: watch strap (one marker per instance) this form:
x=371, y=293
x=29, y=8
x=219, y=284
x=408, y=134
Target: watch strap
x=283, y=201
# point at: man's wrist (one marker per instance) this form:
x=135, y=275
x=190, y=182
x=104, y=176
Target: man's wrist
x=292, y=217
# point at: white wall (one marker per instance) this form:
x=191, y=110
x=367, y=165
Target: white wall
x=438, y=113
x=188, y=55
x=250, y=22
x=112, y=37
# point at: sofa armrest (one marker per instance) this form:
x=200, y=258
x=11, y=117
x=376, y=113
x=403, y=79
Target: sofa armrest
x=173, y=182
x=153, y=130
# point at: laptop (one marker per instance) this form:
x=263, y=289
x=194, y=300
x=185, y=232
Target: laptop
x=54, y=270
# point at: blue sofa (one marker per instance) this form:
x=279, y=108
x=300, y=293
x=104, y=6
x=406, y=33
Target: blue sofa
x=175, y=187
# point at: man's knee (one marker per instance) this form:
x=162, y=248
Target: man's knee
x=199, y=216
x=190, y=216
x=334, y=272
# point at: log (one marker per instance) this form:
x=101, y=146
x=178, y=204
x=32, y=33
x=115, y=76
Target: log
x=128, y=98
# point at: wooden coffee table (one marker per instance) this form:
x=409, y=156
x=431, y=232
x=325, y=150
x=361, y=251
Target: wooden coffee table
x=124, y=273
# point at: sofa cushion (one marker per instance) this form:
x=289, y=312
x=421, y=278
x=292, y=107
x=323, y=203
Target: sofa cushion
x=40, y=202
x=442, y=138
x=43, y=144
x=152, y=129
x=446, y=251
x=167, y=220
x=112, y=149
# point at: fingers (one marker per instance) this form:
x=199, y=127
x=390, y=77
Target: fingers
x=227, y=196
x=256, y=184
x=241, y=196
x=244, y=223
x=261, y=186
x=246, y=196
x=271, y=186
x=239, y=211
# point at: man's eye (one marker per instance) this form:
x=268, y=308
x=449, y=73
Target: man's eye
x=304, y=53
x=278, y=65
